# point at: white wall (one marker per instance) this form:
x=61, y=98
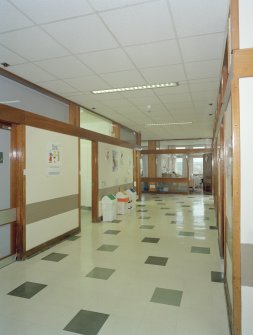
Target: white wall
x=86, y=175
x=246, y=228
x=123, y=173
x=246, y=138
x=245, y=24
x=41, y=187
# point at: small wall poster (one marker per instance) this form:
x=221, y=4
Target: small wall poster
x=1, y=158
x=54, y=159
x=115, y=159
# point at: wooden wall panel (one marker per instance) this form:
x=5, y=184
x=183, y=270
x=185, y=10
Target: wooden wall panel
x=95, y=199
x=74, y=115
x=18, y=184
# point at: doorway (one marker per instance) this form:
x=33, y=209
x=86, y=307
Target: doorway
x=7, y=211
x=86, y=179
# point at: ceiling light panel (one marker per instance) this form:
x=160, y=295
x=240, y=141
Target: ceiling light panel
x=134, y=88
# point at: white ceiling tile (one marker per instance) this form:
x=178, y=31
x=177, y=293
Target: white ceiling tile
x=31, y=72
x=82, y=34
x=133, y=25
x=208, y=96
x=182, y=88
x=170, y=99
x=145, y=101
x=203, y=47
x=204, y=84
x=87, y=84
x=155, y=54
x=100, y=5
x=208, y=69
x=58, y=86
x=108, y=97
x=124, y=79
x=42, y=11
x=107, y=61
x=197, y=17
x=164, y=74
x=33, y=44
x=119, y=103
x=10, y=57
x=65, y=67
x=11, y=18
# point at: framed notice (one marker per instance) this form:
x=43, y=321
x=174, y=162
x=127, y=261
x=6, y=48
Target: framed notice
x=1, y=158
x=54, y=159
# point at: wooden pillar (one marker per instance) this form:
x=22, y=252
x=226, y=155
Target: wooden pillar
x=74, y=115
x=18, y=185
x=152, y=165
x=116, y=130
x=94, y=160
x=137, y=167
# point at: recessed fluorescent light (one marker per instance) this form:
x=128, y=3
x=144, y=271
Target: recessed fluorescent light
x=167, y=124
x=135, y=88
x=10, y=102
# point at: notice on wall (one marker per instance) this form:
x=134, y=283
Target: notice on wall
x=1, y=158
x=54, y=159
x=115, y=160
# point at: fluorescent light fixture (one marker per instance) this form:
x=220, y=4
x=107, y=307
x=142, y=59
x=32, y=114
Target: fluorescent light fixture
x=167, y=124
x=135, y=88
x=10, y=102
x=199, y=147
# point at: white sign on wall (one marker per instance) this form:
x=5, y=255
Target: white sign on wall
x=54, y=159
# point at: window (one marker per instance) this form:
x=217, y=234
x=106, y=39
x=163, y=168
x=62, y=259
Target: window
x=197, y=165
x=179, y=166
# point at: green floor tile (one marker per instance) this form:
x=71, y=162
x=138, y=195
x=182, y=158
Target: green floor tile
x=167, y=296
x=54, y=257
x=186, y=233
x=145, y=226
x=100, y=273
x=151, y=239
x=155, y=260
x=27, y=290
x=217, y=277
x=112, y=232
x=200, y=250
x=108, y=247
x=73, y=238
x=87, y=322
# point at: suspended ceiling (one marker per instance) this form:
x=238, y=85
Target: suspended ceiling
x=74, y=47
